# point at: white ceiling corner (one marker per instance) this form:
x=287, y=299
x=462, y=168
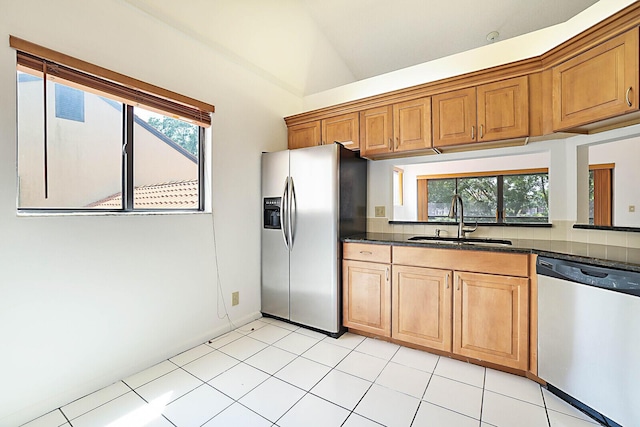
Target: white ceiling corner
x=308, y=46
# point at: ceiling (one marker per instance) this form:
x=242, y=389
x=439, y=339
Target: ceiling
x=308, y=46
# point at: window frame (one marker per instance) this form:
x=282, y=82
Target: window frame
x=38, y=60
x=423, y=182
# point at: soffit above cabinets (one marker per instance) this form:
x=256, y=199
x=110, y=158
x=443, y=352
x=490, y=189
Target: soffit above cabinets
x=308, y=46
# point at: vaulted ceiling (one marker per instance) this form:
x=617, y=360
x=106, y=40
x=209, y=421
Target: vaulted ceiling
x=308, y=46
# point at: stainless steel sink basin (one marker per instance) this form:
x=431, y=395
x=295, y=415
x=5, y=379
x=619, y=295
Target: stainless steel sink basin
x=462, y=241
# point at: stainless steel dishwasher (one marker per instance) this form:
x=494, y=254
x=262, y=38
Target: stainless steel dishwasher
x=589, y=338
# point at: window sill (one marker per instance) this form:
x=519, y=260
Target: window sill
x=607, y=228
x=43, y=213
x=480, y=224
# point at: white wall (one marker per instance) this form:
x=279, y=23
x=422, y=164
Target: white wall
x=87, y=300
x=625, y=154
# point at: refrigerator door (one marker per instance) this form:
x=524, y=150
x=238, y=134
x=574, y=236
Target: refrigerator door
x=314, y=282
x=275, y=254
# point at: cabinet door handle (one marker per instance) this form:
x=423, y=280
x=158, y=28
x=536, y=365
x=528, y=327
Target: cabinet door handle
x=473, y=132
x=481, y=131
x=626, y=96
x=447, y=280
x=387, y=274
x=458, y=288
x=366, y=252
x=390, y=144
x=397, y=142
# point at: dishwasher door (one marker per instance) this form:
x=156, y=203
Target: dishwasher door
x=589, y=346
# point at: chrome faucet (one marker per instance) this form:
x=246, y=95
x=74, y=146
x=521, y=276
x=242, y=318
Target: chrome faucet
x=462, y=230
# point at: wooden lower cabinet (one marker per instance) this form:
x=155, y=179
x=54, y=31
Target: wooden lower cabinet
x=491, y=318
x=421, y=300
x=367, y=297
x=422, y=296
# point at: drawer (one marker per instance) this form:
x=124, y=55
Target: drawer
x=452, y=259
x=367, y=252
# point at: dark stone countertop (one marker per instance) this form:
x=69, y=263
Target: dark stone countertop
x=588, y=253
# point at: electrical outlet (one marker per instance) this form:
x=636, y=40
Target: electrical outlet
x=380, y=211
x=632, y=208
x=235, y=298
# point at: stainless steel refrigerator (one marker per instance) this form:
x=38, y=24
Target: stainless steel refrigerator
x=311, y=198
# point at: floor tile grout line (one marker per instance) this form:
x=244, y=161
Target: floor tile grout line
x=100, y=405
x=515, y=398
x=145, y=400
x=484, y=387
x=546, y=409
x=67, y=418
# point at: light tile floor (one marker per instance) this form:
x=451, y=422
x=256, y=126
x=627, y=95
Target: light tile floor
x=270, y=373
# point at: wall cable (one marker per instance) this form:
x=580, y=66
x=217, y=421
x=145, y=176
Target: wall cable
x=219, y=288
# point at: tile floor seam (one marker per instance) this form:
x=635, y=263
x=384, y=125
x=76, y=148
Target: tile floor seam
x=65, y=416
x=145, y=400
x=158, y=377
x=94, y=408
x=484, y=387
x=224, y=409
x=454, y=411
x=461, y=382
x=292, y=406
x=515, y=398
x=546, y=409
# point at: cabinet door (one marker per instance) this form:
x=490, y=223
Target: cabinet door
x=598, y=84
x=367, y=297
x=412, y=125
x=304, y=135
x=376, y=131
x=344, y=129
x=454, y=117
x=491, y=318
x=503, y=109
x=421, y=312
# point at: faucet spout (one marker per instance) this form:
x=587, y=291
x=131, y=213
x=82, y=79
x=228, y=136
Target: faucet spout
x=455, y=200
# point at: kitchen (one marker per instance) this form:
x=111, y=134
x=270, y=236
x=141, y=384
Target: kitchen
x=66, y=250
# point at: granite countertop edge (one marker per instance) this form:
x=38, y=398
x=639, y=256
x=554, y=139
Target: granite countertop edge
x=600, y=255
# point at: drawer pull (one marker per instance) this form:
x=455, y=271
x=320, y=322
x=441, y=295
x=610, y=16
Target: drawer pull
x=626, y=96
x=366, y=252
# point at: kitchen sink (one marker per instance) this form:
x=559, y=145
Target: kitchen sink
x=462, y=240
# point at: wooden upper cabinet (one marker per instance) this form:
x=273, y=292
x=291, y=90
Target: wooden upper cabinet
x=344, y=129
x=454, y=117
x=490, y=112
x=376, y=131
x=304, y=135
x=421, y=312
x=412, y=125
x=503, y=109
x=491, y=318
x=404, y=126
x=597, y=84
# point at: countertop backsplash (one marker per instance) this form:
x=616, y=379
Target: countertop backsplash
x=560, y=230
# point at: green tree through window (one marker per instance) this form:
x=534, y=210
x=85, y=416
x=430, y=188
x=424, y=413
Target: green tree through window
x=182, y=133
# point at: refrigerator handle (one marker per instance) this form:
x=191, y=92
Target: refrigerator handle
x=284, y=212
x=293, y=212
